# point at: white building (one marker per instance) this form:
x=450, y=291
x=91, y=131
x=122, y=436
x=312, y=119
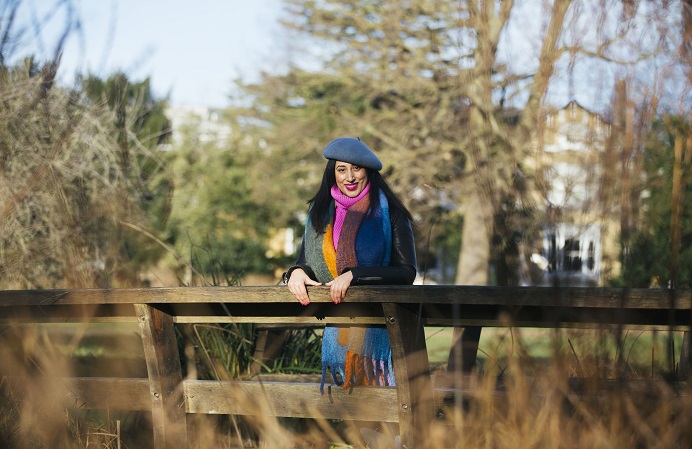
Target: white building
x=205, y=122
x=578, y=236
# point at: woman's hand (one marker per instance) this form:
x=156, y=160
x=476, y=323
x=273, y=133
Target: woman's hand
x=339, y=286
x=297, y=285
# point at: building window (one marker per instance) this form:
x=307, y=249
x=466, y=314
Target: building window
x=572, y=252
x=552, y=252
x=571, y=259
x=591, y=257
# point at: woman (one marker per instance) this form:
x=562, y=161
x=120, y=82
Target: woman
x=357, y=233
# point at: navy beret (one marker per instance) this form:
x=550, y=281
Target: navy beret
x=353, y=151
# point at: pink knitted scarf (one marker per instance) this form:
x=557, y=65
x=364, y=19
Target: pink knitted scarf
x=342, y=203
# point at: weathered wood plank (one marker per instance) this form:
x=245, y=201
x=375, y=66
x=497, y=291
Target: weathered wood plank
x=595, y=297
x=442, y=305
x=283, y=399
x=280, y=322
x=291, y=399
x=203, y=396
x=434, y=315
x=165, y=377
x=288, y=322
x=108, y=393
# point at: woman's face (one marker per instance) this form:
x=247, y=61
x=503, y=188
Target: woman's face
x=350, y=179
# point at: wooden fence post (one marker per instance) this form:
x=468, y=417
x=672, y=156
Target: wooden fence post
x=165, y=377
x=412, y=372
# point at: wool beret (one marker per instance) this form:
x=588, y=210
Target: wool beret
x=353, y=151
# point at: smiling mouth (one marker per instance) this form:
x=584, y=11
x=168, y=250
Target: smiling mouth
x=351, y=187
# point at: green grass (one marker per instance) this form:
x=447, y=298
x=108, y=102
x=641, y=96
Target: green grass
x=644, y=353
x=438, y=340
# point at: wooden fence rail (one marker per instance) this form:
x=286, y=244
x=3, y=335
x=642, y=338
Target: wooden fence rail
x=405, y=310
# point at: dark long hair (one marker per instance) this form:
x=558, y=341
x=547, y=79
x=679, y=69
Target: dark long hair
x=319, y=204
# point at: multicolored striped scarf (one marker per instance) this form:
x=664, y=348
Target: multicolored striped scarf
x=359, y=355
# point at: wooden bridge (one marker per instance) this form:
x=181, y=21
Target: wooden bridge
x=405, y=310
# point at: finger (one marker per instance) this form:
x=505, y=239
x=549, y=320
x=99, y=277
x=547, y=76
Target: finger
x=304, y=298
x=335, y=294
x=300, y=294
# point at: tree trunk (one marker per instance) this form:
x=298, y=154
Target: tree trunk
x=474, y=256
x=474, y=260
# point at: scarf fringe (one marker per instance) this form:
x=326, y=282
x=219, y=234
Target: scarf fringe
x=365, y=359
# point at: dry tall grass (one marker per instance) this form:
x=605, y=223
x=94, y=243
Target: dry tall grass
x=516, y=402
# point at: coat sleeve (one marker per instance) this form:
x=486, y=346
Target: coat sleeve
x=402, y=265
x=300, y=263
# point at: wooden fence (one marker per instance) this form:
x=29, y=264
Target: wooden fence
x=405, y=310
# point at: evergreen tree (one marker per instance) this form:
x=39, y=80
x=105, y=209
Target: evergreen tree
x=649, y=262
x=141, y=129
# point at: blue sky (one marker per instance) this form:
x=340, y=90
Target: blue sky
x=191, y=49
